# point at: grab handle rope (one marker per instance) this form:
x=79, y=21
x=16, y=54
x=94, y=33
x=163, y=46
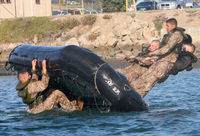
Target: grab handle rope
x=96, y=87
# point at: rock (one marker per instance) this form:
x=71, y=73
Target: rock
x=96, y=44
x=162, y=32
x=147, y=33
x=96, y=30
x=84, y=42
x=134, y=27
x=8, y=46
x=72, y=41
x=125, y=32
x=83, y=30
x=102, y=40
x=35, y=39
x=139, y=44
x=58, y=39
x=112, y=42
x=156, y=34
x=125, y=42
x=144, y=24
x=109, y=39
x=120, y=30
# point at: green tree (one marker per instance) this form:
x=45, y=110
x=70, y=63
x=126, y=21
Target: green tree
x=113, y=5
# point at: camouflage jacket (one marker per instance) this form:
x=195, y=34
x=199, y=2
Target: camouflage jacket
x=36, y=86
x=166, y=52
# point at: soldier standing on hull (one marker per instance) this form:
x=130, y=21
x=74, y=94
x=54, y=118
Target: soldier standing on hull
x=29, y=89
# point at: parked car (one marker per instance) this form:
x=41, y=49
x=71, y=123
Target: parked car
x=188, y=3
x=74, y=3
x=171, y=4
x=90, y=12
x=191, y=4
x=60, y=13
x=146, y=5
x=75, y=11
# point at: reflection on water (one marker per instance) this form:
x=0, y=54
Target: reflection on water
x=174, y=110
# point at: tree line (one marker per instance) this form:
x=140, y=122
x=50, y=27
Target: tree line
x=113, y=5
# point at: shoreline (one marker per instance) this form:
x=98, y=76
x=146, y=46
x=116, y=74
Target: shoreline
x=116, y=63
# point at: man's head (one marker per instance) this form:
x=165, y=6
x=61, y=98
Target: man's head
x=188, y=47
x=171, y=24
x=23, y=76
x=155, y=44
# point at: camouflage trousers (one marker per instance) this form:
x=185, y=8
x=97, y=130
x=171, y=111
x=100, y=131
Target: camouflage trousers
x=158, y=71
x=142, y=79
x=133, y=72
x=55, y=98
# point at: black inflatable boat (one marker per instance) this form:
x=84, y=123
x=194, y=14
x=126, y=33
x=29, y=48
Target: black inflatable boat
x=78, y=71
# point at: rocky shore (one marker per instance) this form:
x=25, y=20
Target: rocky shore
x=118, y=33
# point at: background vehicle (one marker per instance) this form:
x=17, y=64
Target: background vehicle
x=73, y=3
x=191, y=4
x=195, y=5
x=146, y=5
x=75, y=11
x=171, y=4
x=60, y=13
x=188, y=3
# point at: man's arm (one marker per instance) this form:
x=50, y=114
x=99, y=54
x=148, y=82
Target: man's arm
x=34, y=75
x=144, y=61
x=173, y=41
x=38, y=85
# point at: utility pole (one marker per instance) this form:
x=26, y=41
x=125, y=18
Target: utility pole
x=15, y=9
x=23, y=7
x=82, y=7
x=92, y=5
x=66, y=2
x=60, y=4
x=126, y=5
x=135, y=9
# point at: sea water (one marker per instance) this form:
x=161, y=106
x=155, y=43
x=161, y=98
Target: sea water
x=174, y=109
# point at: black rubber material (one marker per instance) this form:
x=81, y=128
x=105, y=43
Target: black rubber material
x=78, y=71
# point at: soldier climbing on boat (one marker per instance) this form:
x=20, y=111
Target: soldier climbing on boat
x=30, y=90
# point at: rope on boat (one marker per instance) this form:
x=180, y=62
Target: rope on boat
x=96, y=87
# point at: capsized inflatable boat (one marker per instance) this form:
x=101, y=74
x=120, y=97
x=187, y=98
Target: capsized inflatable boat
x=79, y=72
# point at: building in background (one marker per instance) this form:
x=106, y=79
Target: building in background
x=24, y=8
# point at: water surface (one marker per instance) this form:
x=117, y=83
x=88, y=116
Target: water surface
x=174, y=109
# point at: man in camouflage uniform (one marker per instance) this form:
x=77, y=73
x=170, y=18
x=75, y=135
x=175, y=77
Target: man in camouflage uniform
x=30, y=88
x=167, y=54
x=140, y=64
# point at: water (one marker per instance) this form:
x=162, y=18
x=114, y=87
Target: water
x=174, y=109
